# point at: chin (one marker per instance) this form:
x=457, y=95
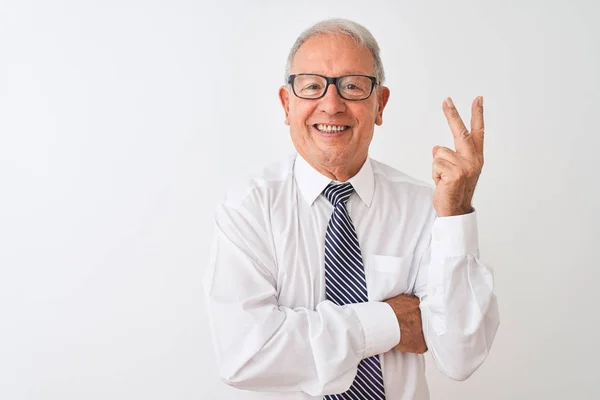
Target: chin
x=333, y=157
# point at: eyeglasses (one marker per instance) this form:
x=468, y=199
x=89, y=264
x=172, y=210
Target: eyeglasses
x=349, y=87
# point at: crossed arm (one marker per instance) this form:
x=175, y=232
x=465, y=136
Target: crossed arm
x=263, y=346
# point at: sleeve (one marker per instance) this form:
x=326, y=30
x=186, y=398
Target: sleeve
x=263, y=346
x=458, y=305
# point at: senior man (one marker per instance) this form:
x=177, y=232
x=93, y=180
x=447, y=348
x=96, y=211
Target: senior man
x=332, y=273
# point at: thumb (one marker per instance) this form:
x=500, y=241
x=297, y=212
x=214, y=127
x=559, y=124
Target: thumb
x=434, y=150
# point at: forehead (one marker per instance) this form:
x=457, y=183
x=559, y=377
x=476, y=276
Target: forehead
x=333, y=55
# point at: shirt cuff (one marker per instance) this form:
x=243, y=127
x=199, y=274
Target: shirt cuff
x=380, y=326
x=456, y=235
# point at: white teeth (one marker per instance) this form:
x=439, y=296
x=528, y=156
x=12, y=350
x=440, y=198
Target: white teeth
x=331, y=128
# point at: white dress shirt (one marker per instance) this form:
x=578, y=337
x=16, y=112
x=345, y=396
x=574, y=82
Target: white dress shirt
x=274, y=333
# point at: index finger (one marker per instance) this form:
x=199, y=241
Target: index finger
x=462, y=138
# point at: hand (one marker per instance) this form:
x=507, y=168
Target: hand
x=456, y=172
x=408, y=314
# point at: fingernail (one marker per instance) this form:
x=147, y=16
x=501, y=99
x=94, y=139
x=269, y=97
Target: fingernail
x=449, y=102
x=481, y=101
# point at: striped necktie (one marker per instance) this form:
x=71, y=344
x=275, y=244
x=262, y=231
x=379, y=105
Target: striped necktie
x=345, y=283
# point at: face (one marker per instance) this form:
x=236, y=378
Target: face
x=333, y=55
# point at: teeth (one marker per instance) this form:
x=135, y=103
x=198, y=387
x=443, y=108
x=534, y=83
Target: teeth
x=331, y=128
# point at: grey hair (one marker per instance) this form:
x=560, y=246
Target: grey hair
x=356, y=31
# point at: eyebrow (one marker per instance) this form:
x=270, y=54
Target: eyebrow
x=344, y=74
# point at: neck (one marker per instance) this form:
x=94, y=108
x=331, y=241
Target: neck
x=341, y=172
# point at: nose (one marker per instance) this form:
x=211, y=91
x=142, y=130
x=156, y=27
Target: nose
x=332, y=103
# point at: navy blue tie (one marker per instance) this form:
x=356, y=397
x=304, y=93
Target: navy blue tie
x=345, y=283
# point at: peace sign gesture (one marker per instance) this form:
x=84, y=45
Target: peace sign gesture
x=456, y=172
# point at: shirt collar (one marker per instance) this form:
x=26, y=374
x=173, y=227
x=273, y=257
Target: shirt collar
x=311, y=182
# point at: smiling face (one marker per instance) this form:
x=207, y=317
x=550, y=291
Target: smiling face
x=331, y=133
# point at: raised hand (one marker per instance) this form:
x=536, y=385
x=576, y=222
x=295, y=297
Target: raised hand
x=456, y=172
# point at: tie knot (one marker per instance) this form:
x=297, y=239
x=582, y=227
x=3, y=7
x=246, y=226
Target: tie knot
x=338, y=193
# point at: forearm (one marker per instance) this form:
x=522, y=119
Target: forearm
x=460, y=322
x=261, y=345
x=280, y=349
x=458, y=305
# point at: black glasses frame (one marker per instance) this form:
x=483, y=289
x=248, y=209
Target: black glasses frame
x=330, y=81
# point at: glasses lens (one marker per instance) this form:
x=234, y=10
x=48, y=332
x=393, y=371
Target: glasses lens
x=355, y=87
x=309, y=86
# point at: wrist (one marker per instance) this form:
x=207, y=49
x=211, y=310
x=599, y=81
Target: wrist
x=456, y=211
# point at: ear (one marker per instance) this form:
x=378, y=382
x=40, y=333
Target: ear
x=383, y=95
x=284, y=98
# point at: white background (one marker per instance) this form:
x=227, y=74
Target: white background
x=123, y=122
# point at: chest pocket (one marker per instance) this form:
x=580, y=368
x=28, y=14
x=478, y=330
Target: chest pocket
x=388, y=276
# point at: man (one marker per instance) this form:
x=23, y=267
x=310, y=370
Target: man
x=331, y=273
